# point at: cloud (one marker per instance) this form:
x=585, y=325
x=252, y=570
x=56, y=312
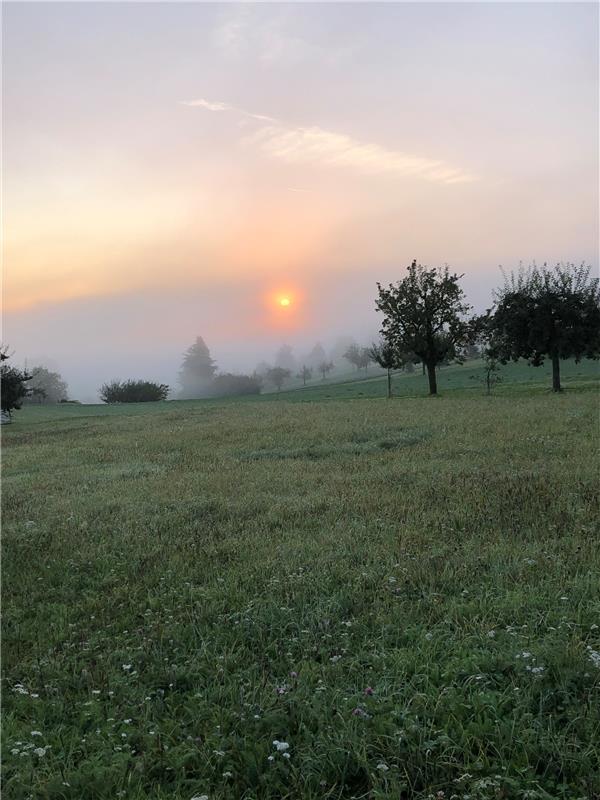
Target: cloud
x=299, y=145
x=200, y=103
x=210, y=106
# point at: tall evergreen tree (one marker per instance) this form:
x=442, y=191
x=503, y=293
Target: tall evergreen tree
x=197, y=370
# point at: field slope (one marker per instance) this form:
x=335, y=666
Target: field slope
x=404, y=593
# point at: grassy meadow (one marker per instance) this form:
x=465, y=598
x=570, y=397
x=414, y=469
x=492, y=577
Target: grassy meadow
x=346, y=599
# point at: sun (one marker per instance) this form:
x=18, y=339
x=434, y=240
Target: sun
x=284, y=301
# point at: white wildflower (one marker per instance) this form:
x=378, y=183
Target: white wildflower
x=594, y=656
x=382, y=767
x=281, y=746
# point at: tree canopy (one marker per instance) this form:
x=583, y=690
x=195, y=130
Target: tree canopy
x=13, y=384
x=424, y=314
x=551, y=312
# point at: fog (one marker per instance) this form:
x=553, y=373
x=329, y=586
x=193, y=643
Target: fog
x=170, y=170
x=144, y=334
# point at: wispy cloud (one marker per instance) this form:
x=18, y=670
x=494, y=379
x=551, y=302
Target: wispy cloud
x=210, y=106
x=299, y=145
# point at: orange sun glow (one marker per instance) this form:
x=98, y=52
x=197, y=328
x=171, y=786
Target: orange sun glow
x=284, y=301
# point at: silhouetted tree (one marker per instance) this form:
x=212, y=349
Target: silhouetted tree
x=197, y=370
x=423, y=314
x=547, y=312
x=13, y=389
x=305, y=373
x=325, y=367
x=277, y=376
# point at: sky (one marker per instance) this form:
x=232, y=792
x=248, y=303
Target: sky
x=174, y=170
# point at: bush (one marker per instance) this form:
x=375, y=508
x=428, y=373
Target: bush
x=133, y=392
x=229, y=385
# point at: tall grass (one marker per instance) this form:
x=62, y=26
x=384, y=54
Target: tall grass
x=406, y=593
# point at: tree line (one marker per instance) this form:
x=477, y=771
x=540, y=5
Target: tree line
x=538, y=313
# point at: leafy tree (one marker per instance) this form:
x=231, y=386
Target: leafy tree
x=359, y=356
x=386, y=356
x=353, y=355
x=423, y=314
x=305, y=373
x=230, y=385
x=325, y=367
x=364, y=358
x=47, y=386
x=133, y=392
x=547, y=312
x=13, y=389
x=197, y=370
x=277, y=376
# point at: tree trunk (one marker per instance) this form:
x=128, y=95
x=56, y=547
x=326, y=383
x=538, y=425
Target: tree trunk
x=389, y=383
x=556, y=374
x=423, y=366
x=432, y=378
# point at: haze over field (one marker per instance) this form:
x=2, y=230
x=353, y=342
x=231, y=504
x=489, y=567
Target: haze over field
x=175, y=170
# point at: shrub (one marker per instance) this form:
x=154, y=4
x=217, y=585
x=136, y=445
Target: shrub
x=133, y=392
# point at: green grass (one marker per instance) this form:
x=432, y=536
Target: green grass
x=406, y=592
x=516, y=377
